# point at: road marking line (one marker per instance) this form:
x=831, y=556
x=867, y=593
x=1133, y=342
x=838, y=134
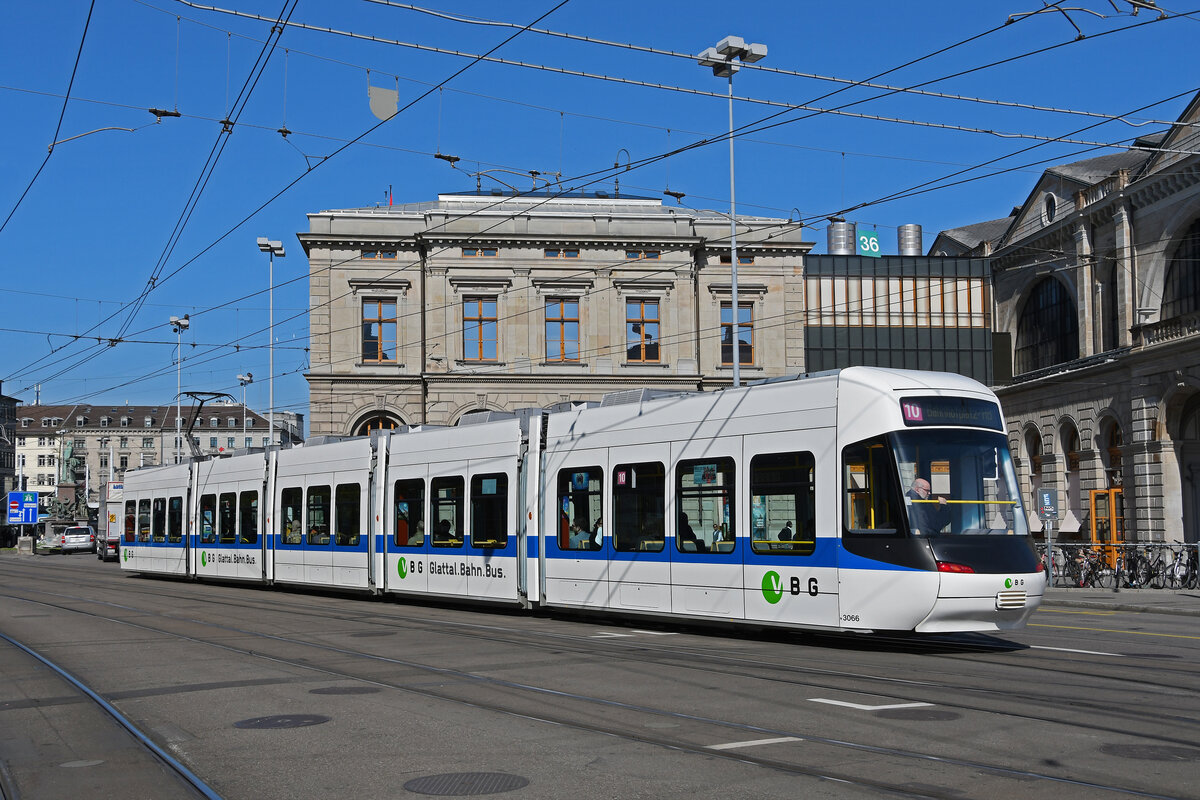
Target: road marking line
x=862, y=707
x=658, y=633
x=1090, y=613
x=755, y=743
x=1111, y=630
x=607, y=635
x=1069, y=650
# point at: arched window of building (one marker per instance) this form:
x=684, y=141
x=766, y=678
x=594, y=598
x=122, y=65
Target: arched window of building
x=1033, y=454
x=1189, y=428
x=1033, y=449
x=1181, y=290
x=1047, y=331
x=376, y=421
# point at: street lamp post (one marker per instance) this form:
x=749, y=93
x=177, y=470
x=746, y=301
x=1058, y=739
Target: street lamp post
x=179, y=325
x=243, y=380
x=275, y=249
x=725, y=59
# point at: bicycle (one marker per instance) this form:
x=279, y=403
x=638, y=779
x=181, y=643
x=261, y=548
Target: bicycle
x=1180, y=571
x=1134, y=567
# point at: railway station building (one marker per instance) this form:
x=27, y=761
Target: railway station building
x=1096, y=281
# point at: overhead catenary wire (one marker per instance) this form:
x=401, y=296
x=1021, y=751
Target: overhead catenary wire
x=786, y=106
x=485, y=232
x=767, y=68
x=58, y=126
x=190, y=205
x=156, y=280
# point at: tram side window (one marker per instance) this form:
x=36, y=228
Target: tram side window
x=248, y=518
x=489, y=511
x=318, y=515
x=447, y=499
x=409, y=499
x=130, y=520
x=872, y=498
x=175, y=520
x=705, y=512
x=580, y=490
x=291, y=512
x=158, y=519
x=143, y=520
x=208, y=518
x=347, y=519
x=782, y=510
x=639, y=506
x=227, y=517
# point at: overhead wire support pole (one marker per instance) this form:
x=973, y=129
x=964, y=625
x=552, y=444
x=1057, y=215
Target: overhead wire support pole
x=733, y=256
x=725, y=59
x=275, y=248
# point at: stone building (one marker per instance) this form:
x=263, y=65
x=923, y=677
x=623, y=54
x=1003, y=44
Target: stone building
x=421, y=313
x=1096, y=280
x=87, y=444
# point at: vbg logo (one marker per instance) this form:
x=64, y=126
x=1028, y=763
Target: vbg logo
x=402, y=567
x=772, y=587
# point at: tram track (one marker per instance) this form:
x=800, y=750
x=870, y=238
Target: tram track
x=956, y=648
x=190, y=784
x=459, y=679
x=894, y=789
x=1119, y=718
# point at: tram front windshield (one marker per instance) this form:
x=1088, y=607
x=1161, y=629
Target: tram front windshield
x=958, y=482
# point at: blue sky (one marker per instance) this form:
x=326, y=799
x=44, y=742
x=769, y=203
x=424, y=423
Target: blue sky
x=110, y=209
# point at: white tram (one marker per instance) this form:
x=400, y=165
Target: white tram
x=791, y=502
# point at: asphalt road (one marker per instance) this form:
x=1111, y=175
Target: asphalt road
x=279, y=694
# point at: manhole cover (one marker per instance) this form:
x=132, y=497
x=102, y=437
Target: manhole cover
x=1152, y=752
x=282, y=721
x=921, y=714
x=465, y=784
x=345, y=690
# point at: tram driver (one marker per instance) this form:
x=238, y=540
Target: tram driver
x=924, y=516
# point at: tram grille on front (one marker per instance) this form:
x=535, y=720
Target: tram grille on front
x=1013, y=598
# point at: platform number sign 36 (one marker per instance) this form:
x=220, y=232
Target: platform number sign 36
x=868, y=243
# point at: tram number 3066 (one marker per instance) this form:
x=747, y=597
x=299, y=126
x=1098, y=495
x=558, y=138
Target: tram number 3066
x=813, y=591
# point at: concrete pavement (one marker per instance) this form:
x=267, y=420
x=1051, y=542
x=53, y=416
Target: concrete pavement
x=1184, y=602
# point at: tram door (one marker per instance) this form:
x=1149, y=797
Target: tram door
x=1108, y=519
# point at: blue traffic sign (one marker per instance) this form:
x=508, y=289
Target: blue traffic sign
x=22, y=508
x=1048, y=504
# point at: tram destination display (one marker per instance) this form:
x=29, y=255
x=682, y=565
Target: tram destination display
x=918, y=411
